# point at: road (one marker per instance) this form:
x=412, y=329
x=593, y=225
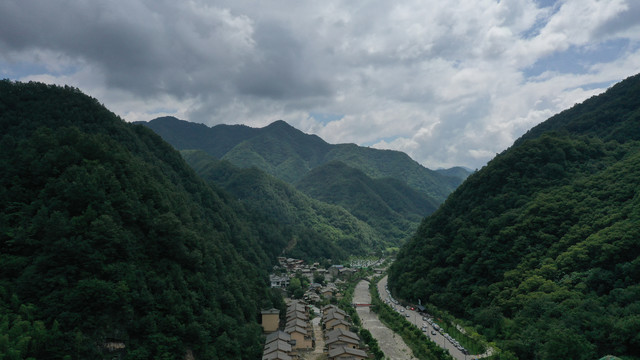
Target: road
x=416, y=319
x=391, y=344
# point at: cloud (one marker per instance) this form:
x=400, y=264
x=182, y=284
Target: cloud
x=450, y=83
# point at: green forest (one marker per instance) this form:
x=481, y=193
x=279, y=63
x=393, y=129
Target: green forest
x=389, y=206
x=540, y=247
x=385, y=189
x=111, y=244
x=308, y=229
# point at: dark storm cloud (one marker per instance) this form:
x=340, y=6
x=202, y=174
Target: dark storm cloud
x=143, y=48
x=280, y=68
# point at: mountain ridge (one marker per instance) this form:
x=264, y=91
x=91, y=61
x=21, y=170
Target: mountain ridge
x=301, y=153
x=108, y=235
x=536, y=248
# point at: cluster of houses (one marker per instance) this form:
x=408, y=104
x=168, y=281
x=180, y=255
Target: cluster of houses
x=292, y=266
x=296, y=337
x=316, y=292
x=284, y=344
x=340, y=342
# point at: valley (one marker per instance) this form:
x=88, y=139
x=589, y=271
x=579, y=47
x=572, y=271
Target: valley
x=117, y=242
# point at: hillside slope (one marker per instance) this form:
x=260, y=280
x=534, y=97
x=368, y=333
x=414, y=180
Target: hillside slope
x=310, y=229
x=388, y=205
x=110, y=242
x=289, y=154
x=540, y=247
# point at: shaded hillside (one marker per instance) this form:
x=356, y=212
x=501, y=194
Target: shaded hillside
x=456, y=172
x=379, y=164
x=540, y=247
x=388, y=205
x=280, y=150
x=609, y=116
x=310, y=229
x=216, y=141
x=289, y=154
x=108, y=237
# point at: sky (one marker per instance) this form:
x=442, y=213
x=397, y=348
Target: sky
x=451, y=83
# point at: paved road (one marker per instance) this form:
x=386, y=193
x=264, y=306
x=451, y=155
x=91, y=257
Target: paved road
x=416, y=319
x=391, y=344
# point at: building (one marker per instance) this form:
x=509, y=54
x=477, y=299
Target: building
x=301, y=336
x=297, y=315
x=334, y=313
x=278, y=347
x=277, y=355
x=347, y=353
x=336, y=340
x=270, y=320
x=279, y=281
x=341, y=332
x=337, y=324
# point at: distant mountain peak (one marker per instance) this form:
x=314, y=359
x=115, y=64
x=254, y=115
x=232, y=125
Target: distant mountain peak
x=281, y=123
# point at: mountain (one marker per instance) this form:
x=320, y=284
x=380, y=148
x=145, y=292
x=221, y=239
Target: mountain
x=393, y=179
x=540, y=247
x=110, y=244
x=289, y=154
x=310, y=229
x=459, y=172
x=390, y=206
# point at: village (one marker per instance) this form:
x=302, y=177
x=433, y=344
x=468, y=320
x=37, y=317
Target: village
x=314, y=327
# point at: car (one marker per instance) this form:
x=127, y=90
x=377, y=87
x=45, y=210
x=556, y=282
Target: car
x=433, y=332
x=407, y=315
x=424, y=318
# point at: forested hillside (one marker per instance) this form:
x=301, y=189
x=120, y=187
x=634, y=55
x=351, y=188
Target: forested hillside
x=540, y=247
x=390, y=206
x=289, y=154
x=110, y=243
x=386, y=189
x=309, y=229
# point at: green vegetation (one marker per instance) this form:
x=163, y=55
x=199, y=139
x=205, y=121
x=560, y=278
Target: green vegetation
x=289, y=154
x=469, y=339
x=389, y=206
x=108, y=237
x=421, y=346
x=304, y=227
x=539, y=248
x=386, y=189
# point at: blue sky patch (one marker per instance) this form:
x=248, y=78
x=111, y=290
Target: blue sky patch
x=325, y=117
x=577, y=60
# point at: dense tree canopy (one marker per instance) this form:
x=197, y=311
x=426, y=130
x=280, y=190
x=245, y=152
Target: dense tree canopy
x=540, y=247
x=107, y=236
x=386, y=189
x=299, y=226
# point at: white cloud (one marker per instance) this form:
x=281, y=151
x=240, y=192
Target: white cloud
x=450, y=83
